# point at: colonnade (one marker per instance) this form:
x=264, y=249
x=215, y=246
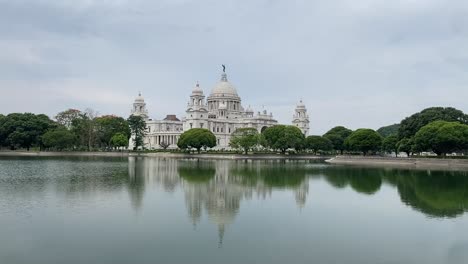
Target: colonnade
x=155, y=140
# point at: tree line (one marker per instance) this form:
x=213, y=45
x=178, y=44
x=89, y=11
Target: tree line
x=72, y=129
x=436, y=129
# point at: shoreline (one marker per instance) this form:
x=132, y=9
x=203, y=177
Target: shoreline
x=418, y=163
x=213, y=156
x=385, y=162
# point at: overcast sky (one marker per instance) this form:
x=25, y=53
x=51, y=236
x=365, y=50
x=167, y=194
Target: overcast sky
x=357, y=63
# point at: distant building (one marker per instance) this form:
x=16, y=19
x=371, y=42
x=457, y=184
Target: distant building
x=221, y=113
x=301, y=118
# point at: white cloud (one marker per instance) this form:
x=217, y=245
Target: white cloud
x=361, y=63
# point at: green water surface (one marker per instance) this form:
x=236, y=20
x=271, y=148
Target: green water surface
x=153, y=210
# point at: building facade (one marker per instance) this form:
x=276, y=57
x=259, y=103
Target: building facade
x=221, y=112
x=301, y=118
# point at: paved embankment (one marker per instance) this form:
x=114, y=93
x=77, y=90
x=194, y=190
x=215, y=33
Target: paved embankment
x=421, y=163
x=161, y=155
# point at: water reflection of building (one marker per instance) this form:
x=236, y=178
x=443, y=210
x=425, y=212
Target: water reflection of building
x=214, y=188
x=301, y=193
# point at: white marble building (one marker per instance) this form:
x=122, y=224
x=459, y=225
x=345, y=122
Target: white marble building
x=301, y=118
x=221, y=112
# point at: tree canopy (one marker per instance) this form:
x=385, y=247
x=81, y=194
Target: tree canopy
x=66, y=118
x=411, y=125
x=390, y=144
x=59, y=139
x=283, y=137
x=84, y=127
x=405, y=145
x=19, y=130
x=110, y=125
x=119, y=140
x=442, y=137
x=364, y=140
x=138, y=129
x=386, y=131
x=244, y=139
x=197, y=138
x=317, y=143
x=337, y=136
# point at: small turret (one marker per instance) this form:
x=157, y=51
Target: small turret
x=301, y=118
x=139, y=107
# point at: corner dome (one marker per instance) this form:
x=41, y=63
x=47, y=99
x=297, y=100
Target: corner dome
x=223, y=87
x=139, y=98
x=197, y=90
x=301, y=105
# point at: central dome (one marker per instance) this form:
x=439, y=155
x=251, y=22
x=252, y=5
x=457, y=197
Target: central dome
x=223, y=87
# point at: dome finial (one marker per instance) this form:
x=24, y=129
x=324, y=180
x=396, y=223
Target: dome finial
x=139, y=93
x=224, y=75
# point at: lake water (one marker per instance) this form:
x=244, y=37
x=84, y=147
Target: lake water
x=151, y=210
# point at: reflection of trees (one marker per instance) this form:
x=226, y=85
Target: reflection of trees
x=196, y=172
x=362, y=180
x=136, y=184
x=434, y=193
x=88, y=175
x=265, y=176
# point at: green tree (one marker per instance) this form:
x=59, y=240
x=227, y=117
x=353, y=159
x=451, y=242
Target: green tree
x=197, y=138
x=388, y=130
x=66, y=118
x=138, y=129
x=390, y=144
x=59, y=139
x=244, y=139
x=316, y=143
x=405, y=145
x=119, y=140
x=411, y=125
x=24, y=130
x=442, y=137
x=110, y=125
x=337, y=136
x=364, y=140
x=282, y=137
x=2, y=133
x=84, y=127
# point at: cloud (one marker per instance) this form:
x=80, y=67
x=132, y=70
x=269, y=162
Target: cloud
x=361, y=63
